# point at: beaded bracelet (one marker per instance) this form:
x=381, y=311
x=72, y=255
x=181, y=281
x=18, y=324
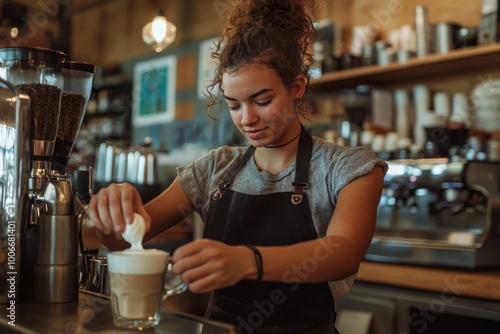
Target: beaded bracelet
x=258, y=261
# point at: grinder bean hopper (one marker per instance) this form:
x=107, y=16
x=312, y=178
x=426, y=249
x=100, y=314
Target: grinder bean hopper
x=76, y=92
x=56, y=271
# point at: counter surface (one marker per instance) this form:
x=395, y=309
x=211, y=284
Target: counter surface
x=483, y=284
x=92, y=314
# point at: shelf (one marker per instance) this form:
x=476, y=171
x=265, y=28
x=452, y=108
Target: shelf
x=477, y=284
x=111, y=81
x=107, y=114
x=461, y=60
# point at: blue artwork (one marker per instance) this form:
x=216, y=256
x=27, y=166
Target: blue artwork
x=154, y=87
x=154, y=91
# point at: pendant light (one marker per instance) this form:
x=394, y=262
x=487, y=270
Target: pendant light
x=159, y=33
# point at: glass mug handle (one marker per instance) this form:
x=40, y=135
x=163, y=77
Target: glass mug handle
x=173, y=283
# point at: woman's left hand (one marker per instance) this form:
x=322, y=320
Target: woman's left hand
x=207, y=265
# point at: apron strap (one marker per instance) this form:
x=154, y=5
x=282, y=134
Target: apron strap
x=228, y=180
x=302, y=164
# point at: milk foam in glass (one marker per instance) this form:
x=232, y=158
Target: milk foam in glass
x=137, y=281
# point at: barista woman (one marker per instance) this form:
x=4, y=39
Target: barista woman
x=287, y=219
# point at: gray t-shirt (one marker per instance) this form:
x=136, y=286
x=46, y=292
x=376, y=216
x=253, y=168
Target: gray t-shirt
x=332, y=168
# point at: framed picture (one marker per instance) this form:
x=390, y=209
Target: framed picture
x=154, y=91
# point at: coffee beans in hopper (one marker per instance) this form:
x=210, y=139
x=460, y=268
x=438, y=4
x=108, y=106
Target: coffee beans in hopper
x=71, y=112
x=44, y=109
x=69, y=122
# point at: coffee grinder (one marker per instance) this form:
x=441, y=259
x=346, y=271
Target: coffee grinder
x=36, y=75
x=56, y=270
x=48, y=224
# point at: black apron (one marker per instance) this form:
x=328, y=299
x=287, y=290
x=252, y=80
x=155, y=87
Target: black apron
x=269, y=220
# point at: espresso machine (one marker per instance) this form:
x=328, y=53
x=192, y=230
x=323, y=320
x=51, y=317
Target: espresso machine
x=434, y=212
x=47, y=211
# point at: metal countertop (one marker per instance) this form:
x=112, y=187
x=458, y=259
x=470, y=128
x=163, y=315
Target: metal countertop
x=92, y=314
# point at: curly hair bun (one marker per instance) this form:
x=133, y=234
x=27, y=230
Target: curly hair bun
x=275, y=33
x=291, y=17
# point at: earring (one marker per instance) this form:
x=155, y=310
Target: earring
x=297, y=100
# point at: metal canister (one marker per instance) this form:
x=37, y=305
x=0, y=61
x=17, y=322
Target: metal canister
x=493, y=149
x=105, y=162
x=99, y=281
x=422, y=31
x=147, y=169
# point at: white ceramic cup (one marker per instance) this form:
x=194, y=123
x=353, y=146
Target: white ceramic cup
x=139, y=281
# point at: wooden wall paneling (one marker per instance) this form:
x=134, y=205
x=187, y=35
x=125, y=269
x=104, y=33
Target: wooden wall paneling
x=325, y=8
x=184, y=110
x=112, y=31
x=88, y=41
x=122, y=35
x=109, y=32
x=383, y=15
x=392, y=14
x=186, y=72
x=81, y=5
x=208, y=18
x=118, y=37
x=122, y=21
x=341, y=12
x=465, y=12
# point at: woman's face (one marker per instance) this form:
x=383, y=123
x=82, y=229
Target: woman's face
x=260, y=105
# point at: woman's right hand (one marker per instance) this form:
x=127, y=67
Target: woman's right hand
x=114, y=206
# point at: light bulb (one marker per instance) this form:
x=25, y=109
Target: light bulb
x=14, y=32
x=159, y=33
x=159, y=28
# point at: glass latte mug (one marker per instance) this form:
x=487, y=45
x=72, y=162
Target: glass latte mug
x=139, y=281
